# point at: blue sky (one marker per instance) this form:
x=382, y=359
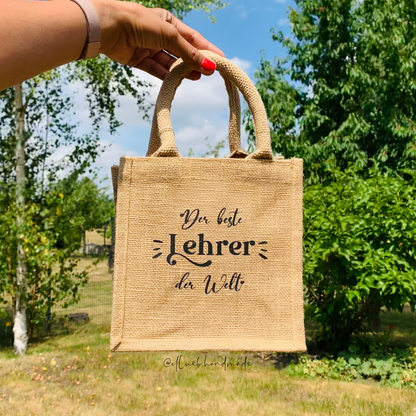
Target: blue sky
x=244, y=27
x=200, y=108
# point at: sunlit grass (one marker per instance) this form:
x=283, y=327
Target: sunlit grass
x=76, y=374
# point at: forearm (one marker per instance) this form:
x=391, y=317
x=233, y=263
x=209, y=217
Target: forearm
x=36, y=36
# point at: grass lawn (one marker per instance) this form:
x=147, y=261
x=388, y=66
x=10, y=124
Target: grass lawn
x=76, y=374
x=96, y=238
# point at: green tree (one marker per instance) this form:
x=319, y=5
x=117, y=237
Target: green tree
x=353, y=91
x=33, y=127
x=359, y=250
x=86, y=207
x=51, y=275
x=344, y=100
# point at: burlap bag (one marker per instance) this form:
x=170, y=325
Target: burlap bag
x=208, y=252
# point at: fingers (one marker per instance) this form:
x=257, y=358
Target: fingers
x=189, y=34
x=164, y=59
x=195, y=38
x=156, y=63
x=138, y=56
x=152, y=62
x=179, y=46
x=194, y=76
x=153, y=68
x=154, y=30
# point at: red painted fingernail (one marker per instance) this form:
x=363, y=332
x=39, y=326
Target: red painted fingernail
x=208, y=65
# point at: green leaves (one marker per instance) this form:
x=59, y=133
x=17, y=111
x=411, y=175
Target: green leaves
x=181, y=7
x=346, y=92
x=397, y=368
x=344, y=100
x=77, y=215
x=52, y=276
x=59, y=211
x=358, y=249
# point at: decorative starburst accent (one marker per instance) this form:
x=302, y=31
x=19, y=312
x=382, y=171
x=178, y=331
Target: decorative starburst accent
x=263, y=249
x=157, y=249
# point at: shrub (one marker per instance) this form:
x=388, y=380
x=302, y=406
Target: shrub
x=359, y=250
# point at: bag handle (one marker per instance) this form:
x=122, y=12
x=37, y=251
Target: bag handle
x=238, y=78
x=234, y=129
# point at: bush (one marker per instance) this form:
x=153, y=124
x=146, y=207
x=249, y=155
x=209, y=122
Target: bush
x=359, y=250
x=6, y=327
x=52, y=275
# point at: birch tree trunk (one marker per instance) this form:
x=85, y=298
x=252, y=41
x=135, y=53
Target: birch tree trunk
x=20, y=321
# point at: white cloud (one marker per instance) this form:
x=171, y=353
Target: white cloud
x=199, y=110
x=195, y=103
x=283, y=22
x=111, y=156
x=194, y=136
x=127, y=112
x=192, y=97
x=244, y=65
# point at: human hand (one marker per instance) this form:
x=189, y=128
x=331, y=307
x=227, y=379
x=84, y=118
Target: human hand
x=146, y=38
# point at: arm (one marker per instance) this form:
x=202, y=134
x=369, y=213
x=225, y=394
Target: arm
x=36, y=36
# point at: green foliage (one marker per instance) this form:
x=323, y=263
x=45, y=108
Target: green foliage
x=359, y=249
x=212, y=151
x=52, y=276
x=52, y=231
x=105, y=231
x=86, y=207
x=181, y=7
x=280, y=100
x=58, y=212
x=354, y=92
x=392, y=367
x=47, y=234
x=105, y=81
x=344, y=100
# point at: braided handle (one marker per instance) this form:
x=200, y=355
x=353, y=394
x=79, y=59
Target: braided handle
x=229, y=71
x=234, y=129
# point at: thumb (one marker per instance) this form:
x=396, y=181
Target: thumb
x=180, y=47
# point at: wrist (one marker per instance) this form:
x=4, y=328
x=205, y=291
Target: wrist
x=109, y=13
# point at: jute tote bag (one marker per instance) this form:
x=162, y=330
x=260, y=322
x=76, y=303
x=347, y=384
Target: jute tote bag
x=208, y=252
